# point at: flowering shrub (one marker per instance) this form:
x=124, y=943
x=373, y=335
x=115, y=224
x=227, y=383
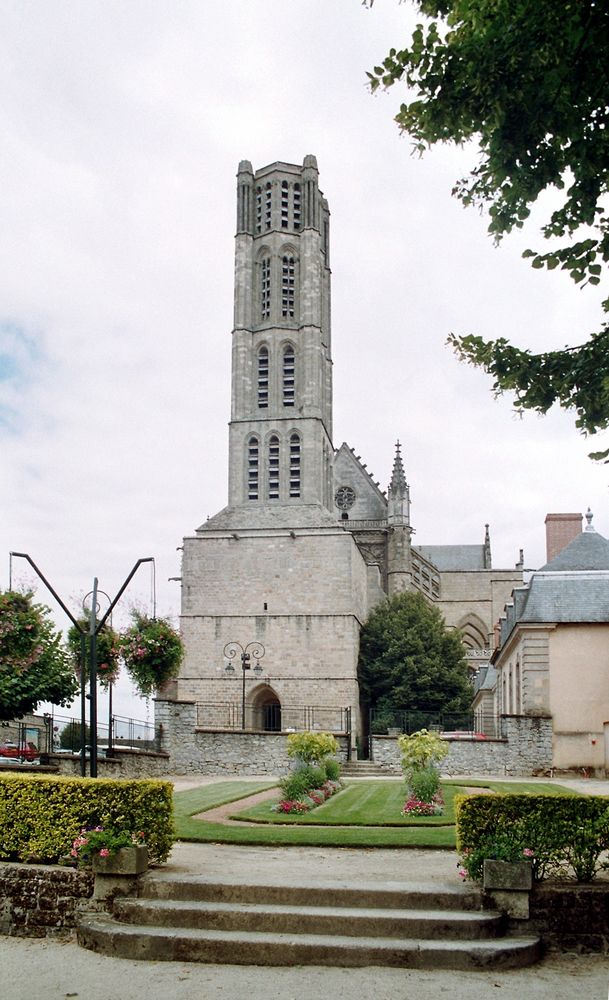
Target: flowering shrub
x=498, y=847
x=102, y=842
x=304, y=803
x=34, y=663
x=418, y=807
x=152, y=651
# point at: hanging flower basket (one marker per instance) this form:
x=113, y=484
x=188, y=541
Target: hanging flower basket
x=152, y=652
x=107, y=646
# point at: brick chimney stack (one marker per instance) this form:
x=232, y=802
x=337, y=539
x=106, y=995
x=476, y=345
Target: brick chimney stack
x=560, y=530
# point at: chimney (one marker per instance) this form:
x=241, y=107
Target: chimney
x=560, y=530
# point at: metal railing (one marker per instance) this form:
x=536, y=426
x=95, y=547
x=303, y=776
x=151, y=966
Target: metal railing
x=64, y=734
x=458, y=725
x=273, y=718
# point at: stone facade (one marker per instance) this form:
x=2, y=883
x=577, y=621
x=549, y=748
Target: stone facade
x=524, y=749
x=308, y=542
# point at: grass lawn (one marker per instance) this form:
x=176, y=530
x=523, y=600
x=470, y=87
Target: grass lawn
x=340, y=822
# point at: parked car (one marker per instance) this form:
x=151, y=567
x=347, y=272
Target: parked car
x=460, y=734
x=28, y=751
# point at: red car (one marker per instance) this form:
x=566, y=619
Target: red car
x=26, y=752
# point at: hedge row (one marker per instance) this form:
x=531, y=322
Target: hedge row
x=40, y=815
x=567, y=834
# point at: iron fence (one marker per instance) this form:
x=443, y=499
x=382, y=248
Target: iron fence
x=458, y=725
x=64, y=734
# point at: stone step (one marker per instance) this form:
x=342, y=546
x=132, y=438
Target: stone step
x=342, y=920
x=380, y=895
x=105, y=934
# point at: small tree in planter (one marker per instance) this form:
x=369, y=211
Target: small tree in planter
x=152, y=652
x=107, y=652
x=421, y=753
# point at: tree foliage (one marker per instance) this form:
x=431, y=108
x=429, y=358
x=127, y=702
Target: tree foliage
x=35, y=665
x=530, y=83
x=409, y=659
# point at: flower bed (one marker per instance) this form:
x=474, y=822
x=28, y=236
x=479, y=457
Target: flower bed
x=313, y=798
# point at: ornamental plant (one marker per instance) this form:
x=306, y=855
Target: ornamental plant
x=152, y=652
x=420, y=807
x=104, y=842
x=421, y=752
x=495, y=847
x=311, y=748
x=107, y=652
x=35, y=664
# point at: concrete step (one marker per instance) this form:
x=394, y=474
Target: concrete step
x=379, y=895
x=335, y=920
x=105, y=934
x=363, y=769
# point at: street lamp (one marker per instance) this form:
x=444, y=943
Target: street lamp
x=94, y=630
x=253, y=649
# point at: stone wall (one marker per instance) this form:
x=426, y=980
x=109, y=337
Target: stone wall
x=197, y=751
x=524, y=749
x=124, y=764
x=571, y=917
x=37, y=901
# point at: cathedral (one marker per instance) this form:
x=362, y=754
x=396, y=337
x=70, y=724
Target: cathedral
x=277, y=585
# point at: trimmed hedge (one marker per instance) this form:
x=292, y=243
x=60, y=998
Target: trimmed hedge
x=41, y=815
x=567, y=833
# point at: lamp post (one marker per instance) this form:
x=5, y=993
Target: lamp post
x=253, y=649
x=94, y=630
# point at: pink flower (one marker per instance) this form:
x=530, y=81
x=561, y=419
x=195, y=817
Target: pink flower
x=462, y=873
x=528, y=853
x=104, y=853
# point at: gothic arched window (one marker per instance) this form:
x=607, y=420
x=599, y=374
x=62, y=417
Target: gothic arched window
x=265, y=287
x=285, y=204
x=289, y=373
x=253, y=468
x=296, y=206
x=288, y=286
x=294, y=465
x=268, y=194
x=258, y=209
x=263, y=378
x=273, y=467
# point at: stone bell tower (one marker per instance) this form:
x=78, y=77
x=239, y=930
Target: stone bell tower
x=280, y=447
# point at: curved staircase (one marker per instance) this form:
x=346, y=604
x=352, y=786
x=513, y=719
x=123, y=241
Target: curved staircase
x=195, y=919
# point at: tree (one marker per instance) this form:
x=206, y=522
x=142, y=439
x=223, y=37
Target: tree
x=529, y=82
x=35, y=665
x=410, y=659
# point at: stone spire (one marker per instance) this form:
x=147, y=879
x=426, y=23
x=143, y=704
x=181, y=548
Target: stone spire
x=398, y=494
x=488, y=564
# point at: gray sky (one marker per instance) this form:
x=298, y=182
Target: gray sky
x=122, y=127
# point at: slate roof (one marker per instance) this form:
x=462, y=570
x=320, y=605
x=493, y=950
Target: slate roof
x=453, y=557
x=588, y=550
x=572, y=588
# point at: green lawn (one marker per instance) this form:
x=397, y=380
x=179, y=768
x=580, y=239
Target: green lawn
x=344, y=829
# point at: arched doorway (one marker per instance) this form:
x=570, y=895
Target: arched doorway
x=266, y=711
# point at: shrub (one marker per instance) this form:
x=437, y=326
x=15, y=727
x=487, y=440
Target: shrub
x=311, y=748
x=41, y=816
x=424, y=783
x=567, y=834
x=297, y=783
x=332, y=768
x=421, y=750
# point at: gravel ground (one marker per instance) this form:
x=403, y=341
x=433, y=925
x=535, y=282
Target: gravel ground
x=56, y=970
